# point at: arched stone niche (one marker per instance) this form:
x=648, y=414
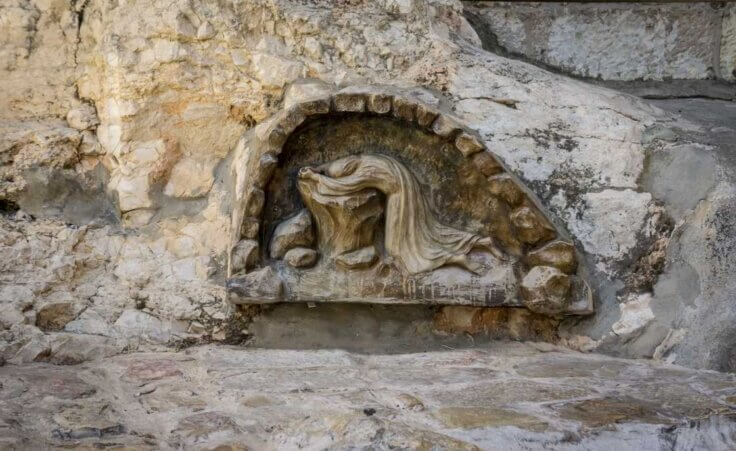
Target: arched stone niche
x=373, y=196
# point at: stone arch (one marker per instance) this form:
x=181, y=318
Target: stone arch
x=547, y=261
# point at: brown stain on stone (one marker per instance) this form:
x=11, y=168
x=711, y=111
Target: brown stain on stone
x=176, y=107
x=486, y=417
x=172, y=154
x=594, y=413
x=512, y=323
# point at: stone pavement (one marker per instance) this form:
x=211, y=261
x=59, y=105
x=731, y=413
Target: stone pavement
x=506, y=395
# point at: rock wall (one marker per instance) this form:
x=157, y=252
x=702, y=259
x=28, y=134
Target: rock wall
x=116, y=163
x=615, y=41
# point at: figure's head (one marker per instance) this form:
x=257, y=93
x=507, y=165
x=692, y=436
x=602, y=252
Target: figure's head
x=343, y=166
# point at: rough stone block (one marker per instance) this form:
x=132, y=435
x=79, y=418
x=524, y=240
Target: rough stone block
x=468, y=144
x=531, y=226
x=445, y=126
x=266, y=164
x=379, y=103
x=254, y=201
x=261, y=286
x=546, y=290
x=249, y=228
x=403, y=108
x=316, y=106
x=293, y=232
x=505, y=187
x=425, y=115
x=300, y=257
x=362, y=258
x=486, y=164
x=291, y=119
x=349, y=102
x=55, y=315
x=558, y=254
x=244, y=255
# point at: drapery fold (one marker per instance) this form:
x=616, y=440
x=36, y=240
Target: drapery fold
x=413, y=235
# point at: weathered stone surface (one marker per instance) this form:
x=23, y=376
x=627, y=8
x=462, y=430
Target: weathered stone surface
x=445, y=126
x=448, y=399
x=468, y=144
x=38, y=80
x=344, y=223
x=580, y=148
x=531, y=226
x=546, y=290
x=311, y=96
x=262, y=285
x=487, y=417
x=83, y=117
x=245, y=255
x=349, y=102
x=206, y=31
x=621, y=41
x=606, y=227
x=266, y=164
x=296, y=231
x=254, y=204
x=728, y=43
x=276, y=71
x=426, y=115
x=55, y=315
x=138, y=324
x=300, y=257
x=558, y=254
x=362, y=258
x=379, y=103
x=403, y=108
x=250, y=227
x=90, y=322
x=505, y=187
x=487, y=164
x=636, y=314
x=190, y=178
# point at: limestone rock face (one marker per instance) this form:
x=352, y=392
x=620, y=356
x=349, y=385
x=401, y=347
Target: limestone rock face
x=190, y=178
x=623, y=42
x=83, y=117
x=728, y=43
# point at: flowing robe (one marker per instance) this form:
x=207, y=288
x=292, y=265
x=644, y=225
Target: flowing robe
x=413, y=235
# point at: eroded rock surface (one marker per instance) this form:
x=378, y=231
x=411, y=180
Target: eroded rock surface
x=512, y=396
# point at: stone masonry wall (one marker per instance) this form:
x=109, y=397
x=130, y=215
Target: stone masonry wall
x=616, y=41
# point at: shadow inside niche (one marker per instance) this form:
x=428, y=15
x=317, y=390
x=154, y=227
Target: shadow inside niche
x=389, y=329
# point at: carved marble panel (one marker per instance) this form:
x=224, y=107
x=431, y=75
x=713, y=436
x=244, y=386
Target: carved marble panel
x=370, y=196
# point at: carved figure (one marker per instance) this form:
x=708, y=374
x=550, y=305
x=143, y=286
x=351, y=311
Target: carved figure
x=413, y=235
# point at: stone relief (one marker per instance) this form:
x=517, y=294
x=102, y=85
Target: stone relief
x=413, y=236
x=378, y=198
